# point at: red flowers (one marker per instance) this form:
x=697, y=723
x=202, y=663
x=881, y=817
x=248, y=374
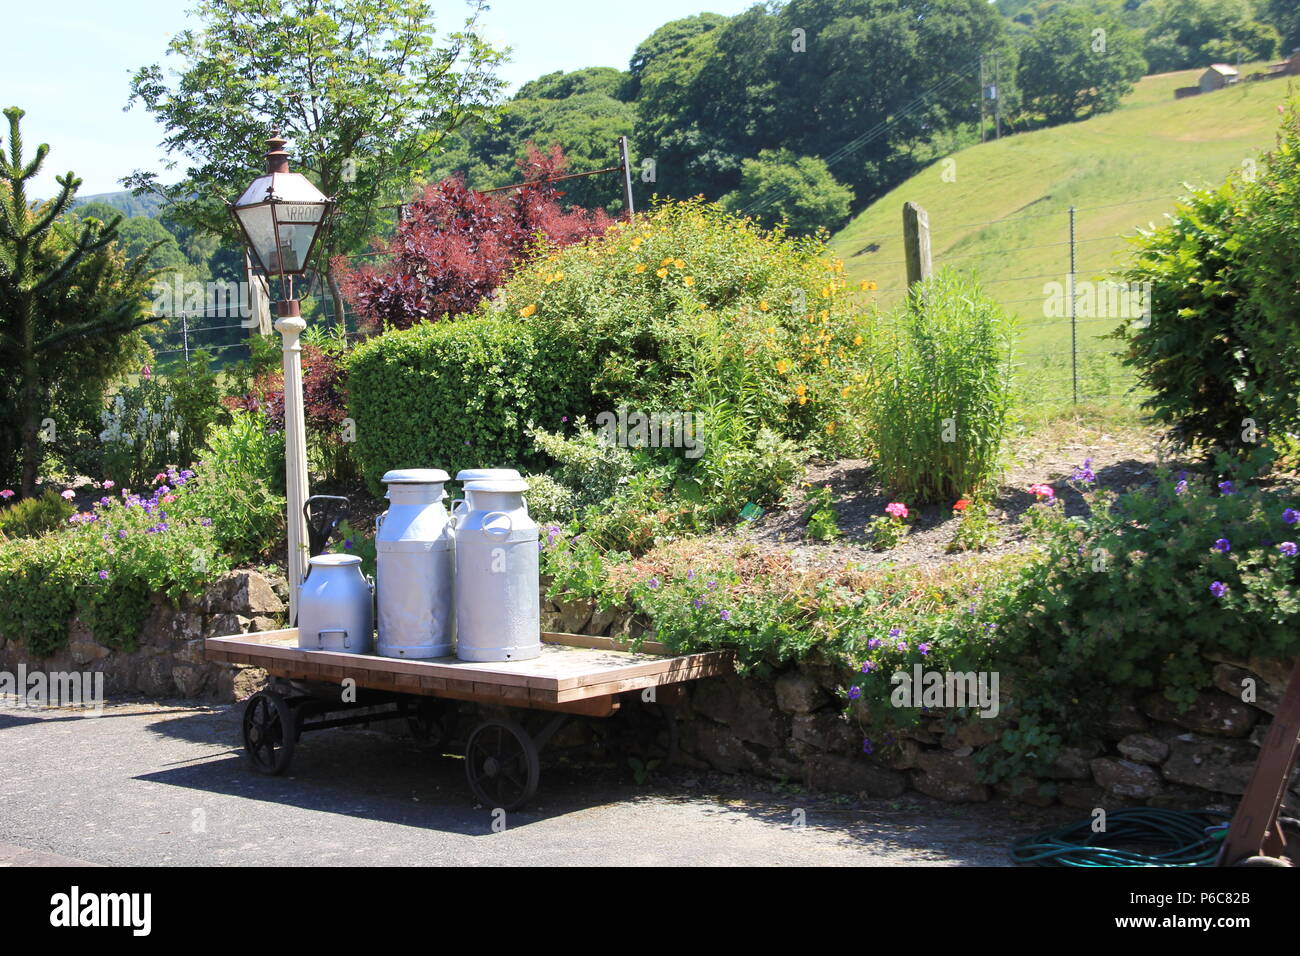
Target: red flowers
x=961, y=505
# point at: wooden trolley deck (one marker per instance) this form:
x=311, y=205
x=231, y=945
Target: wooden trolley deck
x=575, y=673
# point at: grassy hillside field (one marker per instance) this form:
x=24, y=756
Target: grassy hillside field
x=1001, y=210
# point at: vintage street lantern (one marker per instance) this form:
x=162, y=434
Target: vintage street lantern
x=281, y=216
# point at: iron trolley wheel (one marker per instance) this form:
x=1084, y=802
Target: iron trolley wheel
x=270, y=731
x=501, y=764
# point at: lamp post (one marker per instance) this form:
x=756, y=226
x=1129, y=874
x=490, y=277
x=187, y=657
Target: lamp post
x=281, y=216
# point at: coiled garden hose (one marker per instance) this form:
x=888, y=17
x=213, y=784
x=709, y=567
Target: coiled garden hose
x=1140, y=836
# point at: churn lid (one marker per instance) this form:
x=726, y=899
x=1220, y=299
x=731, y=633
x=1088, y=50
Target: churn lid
x=332, y=560
x=484, y=474
x=497, y=484
x=415, y=476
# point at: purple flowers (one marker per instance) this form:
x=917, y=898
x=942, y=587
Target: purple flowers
x=1181, y=487
x=725, y=614
x=1223, y=545
x=868, y=667
x=867, y=747
x=1226, y=487
x=855, y=692
x=895, y=632
x=901, y=645
x=103, y=575
x=1287, y=548
x=206, y=522
x=1291, y=516
x=1218, y=589
x=924, y=649
x=1084, y=474
x=698, y=602
x=654, y=583
x=874, y=643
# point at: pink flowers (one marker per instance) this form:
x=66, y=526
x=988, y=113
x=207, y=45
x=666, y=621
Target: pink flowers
x=6, y=493
x=68, y=495
x=108, y=484
x=897, y=509
x=1042, y=491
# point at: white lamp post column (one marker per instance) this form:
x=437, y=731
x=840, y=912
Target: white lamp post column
x=295, y=452
x=281, y=215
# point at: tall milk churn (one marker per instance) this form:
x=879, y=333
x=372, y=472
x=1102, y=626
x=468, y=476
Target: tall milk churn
x=466, y=475
x=498, y=608
x=415, y=563
x=335, y=606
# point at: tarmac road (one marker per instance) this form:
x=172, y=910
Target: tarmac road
x=149, y=784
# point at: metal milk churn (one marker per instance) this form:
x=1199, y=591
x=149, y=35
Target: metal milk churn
x=466, y=475
x=335, y=609
x=415, y=565
x=498, y=607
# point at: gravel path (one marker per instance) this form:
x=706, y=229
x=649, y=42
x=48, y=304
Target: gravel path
x=164, y=784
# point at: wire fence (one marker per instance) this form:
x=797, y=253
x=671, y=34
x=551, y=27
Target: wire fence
x=1066, y=294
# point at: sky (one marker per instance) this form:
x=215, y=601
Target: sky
x=72, y=68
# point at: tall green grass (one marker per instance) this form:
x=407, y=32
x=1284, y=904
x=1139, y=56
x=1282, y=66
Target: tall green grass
x=939, y=416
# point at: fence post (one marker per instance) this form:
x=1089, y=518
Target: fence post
x=1074, y=314
x=627, y=178
x=916, y=243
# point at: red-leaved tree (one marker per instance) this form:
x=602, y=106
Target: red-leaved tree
x=455, y=246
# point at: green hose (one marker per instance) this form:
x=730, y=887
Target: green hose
x=1142, y=836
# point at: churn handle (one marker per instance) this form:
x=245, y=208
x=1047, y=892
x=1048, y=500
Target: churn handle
x=510, y=524
x=320, y=642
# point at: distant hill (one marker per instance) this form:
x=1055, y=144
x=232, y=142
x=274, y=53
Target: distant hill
x=129, y=205
x=1001, y=208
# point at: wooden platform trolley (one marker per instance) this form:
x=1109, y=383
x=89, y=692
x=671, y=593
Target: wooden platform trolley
x=576, y=675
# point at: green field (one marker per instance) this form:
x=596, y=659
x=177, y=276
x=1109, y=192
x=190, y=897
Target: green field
x=1001, y=210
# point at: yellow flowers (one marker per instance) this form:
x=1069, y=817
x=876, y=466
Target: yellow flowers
x=802, y=392
x=528, y=310
x=555, y=277
x=867, y=285
x=667, y=262
x=771, y=330
x=689, y=280
x=844, y=392
x=783, y=366
x=804, y=339
x=763, y=306
x=636, y=243
x=679, y=263
x=826, y=363
x=830, y=428
x=661, y=272
x=857, y=340
x=640, y=267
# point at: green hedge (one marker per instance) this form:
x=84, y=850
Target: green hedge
x=462, y=394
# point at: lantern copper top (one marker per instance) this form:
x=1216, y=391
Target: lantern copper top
x=277, y=157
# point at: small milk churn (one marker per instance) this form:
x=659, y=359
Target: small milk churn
x=335, y=610
x=415, y=563
x=498, y=608
x=466, y=475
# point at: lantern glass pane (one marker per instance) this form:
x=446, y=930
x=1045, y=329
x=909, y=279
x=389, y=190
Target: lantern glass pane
x=259, y=225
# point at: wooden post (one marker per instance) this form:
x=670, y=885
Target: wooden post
x=916, y=243
x=627, y=178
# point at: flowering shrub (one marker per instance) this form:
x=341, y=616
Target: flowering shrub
x=454, y=246
x=888, y=529
x=104, y=565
